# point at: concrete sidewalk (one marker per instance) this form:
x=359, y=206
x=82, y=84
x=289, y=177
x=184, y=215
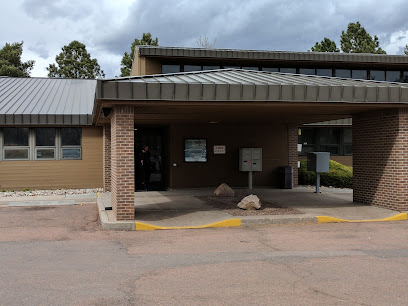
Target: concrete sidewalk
x=181, y=209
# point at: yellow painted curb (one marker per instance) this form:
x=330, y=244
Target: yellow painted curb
x=326, y=219
x=225, y=223
x=97, y=194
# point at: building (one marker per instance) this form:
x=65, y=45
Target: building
x=85, y=133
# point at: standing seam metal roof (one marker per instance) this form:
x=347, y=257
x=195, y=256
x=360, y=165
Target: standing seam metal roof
x=37, y=101
x=247, y=85
x=271, y=55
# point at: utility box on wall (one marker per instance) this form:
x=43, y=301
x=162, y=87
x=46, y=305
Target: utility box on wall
x=250, y=159
x=318, y=161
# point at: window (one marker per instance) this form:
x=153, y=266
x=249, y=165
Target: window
x=336, y=140
x=15, y=144
x=71, y=143
x=392, y=76
x=405, y=76
x=308, y=71
x=170, y=68
x=343, y=73
x=40, y=143
x=308, y=140
x=211, y=67
x=188, y=68
x=359, y=74
x=270, y=69
x=250, y=68
x=288, y=70
x=330, y=140
x=377, y=75
x=324, y=72
x=45, y=143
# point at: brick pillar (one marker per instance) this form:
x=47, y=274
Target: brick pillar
x=107, y=157
x=380, y=158
x=293, y=134
x=122, y=162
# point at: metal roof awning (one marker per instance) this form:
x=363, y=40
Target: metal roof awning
x=46, y=101
x=247, y=85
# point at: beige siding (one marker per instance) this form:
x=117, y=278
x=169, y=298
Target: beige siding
x=85, y=173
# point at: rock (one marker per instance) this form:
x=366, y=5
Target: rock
x=224, y=191
x=250, y=202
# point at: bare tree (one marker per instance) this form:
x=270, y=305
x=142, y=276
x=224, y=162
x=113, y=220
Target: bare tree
x=204, y=42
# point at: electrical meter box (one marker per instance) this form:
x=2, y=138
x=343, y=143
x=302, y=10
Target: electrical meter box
x=318, y=161
x=250, y=159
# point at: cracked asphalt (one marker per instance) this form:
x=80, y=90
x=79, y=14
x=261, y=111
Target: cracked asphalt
x=60, y=256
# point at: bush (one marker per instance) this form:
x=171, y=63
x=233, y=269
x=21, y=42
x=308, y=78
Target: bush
x=340, y=176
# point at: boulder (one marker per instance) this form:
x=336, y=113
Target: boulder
x=250, y=202
x=224, y=191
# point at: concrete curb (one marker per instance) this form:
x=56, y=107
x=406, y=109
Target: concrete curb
x=277, y=220
x=108, y=221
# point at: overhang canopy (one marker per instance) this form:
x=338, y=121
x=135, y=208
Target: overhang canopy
x=247, y=85
x=46, y=101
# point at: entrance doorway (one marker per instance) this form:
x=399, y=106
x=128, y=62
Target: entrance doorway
x=150, y=176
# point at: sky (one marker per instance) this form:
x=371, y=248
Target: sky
x=108, y=27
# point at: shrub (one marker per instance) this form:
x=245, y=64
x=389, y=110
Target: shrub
x=340, y=176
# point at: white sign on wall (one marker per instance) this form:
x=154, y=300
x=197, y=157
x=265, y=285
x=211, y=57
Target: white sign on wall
x=219, y=149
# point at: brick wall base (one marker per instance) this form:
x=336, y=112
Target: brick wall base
x=380, y=158
x=293, y=158
x=107, y=157
x=122, y=162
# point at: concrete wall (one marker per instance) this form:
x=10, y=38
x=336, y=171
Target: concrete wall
x=54, y=174
x=273, y=139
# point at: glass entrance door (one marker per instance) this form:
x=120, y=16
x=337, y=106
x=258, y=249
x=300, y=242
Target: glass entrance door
x=149, y=164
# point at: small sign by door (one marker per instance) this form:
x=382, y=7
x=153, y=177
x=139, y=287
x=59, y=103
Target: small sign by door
x=219, y=149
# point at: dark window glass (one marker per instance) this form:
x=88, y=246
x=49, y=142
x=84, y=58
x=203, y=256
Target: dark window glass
x=405, y=76
x=329, y=136
x=270, y=69
x=170, y=68
x=359, y=74
x=211, y=67
x=343, y=73
x=308, y=71
x=392, y=76
x=250, y=68
x=288, y=70
x=307, y=136
x=15, y=136
x=71, y=153
x=16, y=153
x=333, y=149
x=71, y=136
x=45, y=137
x=347, y=135
x=347, y=149
x=188, y=68
x=324, y=72
x=377, y=75
x=45, y=153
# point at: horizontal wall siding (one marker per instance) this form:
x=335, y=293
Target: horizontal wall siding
x=34, y=174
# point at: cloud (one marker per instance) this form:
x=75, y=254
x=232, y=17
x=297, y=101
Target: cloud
x=107, y=28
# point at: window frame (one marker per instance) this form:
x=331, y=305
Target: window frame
x=36, y=148
x=5, y=148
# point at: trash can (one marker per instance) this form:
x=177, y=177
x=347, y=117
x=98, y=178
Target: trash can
x=286, y=177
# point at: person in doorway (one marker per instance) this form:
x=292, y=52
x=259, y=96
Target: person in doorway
x=144, y=159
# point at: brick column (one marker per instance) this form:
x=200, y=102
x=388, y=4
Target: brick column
x=293, y=134
x=380, y=158
x=107, y=157
x=122, y=162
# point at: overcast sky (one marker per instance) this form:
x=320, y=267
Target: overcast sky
x=107, y=27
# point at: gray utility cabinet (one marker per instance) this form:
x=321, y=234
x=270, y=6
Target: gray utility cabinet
x=318, y=161
x=250, y=159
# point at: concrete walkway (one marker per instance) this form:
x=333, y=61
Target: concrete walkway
x=180, y=208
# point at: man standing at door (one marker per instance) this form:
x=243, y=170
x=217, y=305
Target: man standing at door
x=144, y=158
